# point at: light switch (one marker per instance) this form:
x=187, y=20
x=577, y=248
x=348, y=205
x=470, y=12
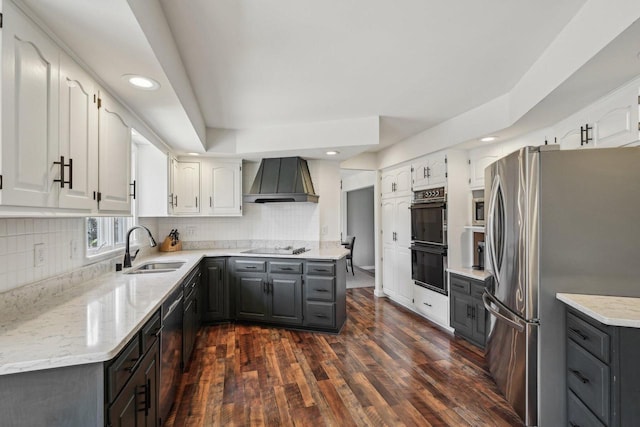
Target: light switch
x=39, y=254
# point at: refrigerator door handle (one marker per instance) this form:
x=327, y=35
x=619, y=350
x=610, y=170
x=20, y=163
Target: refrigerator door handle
x=489, y=299
x=495, y=186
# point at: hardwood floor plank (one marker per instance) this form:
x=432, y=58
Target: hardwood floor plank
x=387, y=367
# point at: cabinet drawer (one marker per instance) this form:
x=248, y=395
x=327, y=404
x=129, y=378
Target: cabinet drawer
x=321, y=288
x=122, y=367
x=250, y=265
x=459, y=285
x=321, y=268
x=150, y=331
x=431, y=304
x=580, y=415
x=285, y=267
x=320, y=314
x=589, y=337
x=477, y=289
x=588, y=378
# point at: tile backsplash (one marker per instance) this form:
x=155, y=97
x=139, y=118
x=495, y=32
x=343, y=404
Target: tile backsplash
x=18, y=238
x=266, y=222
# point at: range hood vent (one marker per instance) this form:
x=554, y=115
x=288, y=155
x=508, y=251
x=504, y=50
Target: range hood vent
x=282, y=179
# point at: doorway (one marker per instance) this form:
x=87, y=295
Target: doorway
x=358, y=220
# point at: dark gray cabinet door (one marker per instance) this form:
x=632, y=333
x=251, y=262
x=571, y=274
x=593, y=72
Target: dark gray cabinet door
x=150, y=368
x=189, y=330
x=125, y=411
x=251, y=301
x=479, y=322
x=285, y=298
x=461, y=319
x=215, y=292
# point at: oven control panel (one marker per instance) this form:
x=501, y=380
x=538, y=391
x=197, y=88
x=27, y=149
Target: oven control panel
x=431, y=195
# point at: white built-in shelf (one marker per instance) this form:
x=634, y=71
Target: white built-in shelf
x=476, y=228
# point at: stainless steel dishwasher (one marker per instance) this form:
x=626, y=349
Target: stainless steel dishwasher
x=171, y=354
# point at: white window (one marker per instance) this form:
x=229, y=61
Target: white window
x=106, y=234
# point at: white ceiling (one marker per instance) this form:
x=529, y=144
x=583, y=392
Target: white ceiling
x=258, y=74
x=414, y=63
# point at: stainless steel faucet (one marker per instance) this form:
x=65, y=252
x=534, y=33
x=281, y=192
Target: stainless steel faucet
x=127, y=256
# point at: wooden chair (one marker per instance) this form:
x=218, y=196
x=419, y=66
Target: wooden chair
x=348, y=244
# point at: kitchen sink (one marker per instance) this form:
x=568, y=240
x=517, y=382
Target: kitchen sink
x=156, y=267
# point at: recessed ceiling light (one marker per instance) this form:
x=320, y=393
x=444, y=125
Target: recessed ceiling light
x=193, y=154
x=332, y=153
x=488, y=138
x=141, y=82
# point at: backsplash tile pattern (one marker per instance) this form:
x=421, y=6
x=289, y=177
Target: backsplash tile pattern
x=17, y=239
x=266, y=222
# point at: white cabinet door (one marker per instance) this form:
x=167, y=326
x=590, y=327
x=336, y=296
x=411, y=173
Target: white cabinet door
x=431, y=304
x=222, y=187
x=402, y=221
x=437, y=171
x=30, y=64
x=114, y=167
x=387, y=184
x=615, y=119
x=403, y=283
x=78, y=134
x=388, y=270
x=571, y=132
x=387, y=212
x=420, y=178
x=152, y=181
x=479, y=159
x=396, y=182
x=187, y=188
x=403, y=181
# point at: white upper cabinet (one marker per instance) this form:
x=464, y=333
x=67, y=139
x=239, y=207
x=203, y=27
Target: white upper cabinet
x=152, y=193
x=430, y=171
x=114, y=167
x=187, y=188
x=396, y=182
x=479, y=159
x=29, y=113
x=78, y=135
x=615, y=118
x=222, y=187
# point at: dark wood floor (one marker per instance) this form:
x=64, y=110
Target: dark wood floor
x=388, y=366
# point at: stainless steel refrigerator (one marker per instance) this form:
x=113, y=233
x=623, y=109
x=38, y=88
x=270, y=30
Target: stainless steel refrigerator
x=557, y=221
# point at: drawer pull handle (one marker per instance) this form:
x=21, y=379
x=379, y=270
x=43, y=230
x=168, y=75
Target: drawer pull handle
x=251, y=267
x=427, y=304
x=133, y=367
x=158, y=331
x=580, y=376
x=321, y=290
x=319, y=269
x=322, y=316
x=579, y=333
x=286, y=268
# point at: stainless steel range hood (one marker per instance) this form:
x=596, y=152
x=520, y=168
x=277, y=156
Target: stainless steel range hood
x=283, y=179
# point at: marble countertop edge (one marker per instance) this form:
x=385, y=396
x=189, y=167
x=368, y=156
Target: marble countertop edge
x=608, y=310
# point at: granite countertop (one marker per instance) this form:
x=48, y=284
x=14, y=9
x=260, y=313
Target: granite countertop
x=470, y=272
x=608, y=310
x=92, y=321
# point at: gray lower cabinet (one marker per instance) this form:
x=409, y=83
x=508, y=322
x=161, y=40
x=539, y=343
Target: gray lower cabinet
x=268, y=290
x=132, y=380
x=214, y=292
x=603, y=374
x=468, y=316
x=325, y=294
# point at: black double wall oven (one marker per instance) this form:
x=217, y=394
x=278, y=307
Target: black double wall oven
x=429, y=239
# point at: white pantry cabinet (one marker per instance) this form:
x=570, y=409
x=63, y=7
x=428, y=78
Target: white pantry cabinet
x=429, y=171
x=479, y=159
x=396, y=182
x=222, y=187
x=396, y=255
x=29, y=113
